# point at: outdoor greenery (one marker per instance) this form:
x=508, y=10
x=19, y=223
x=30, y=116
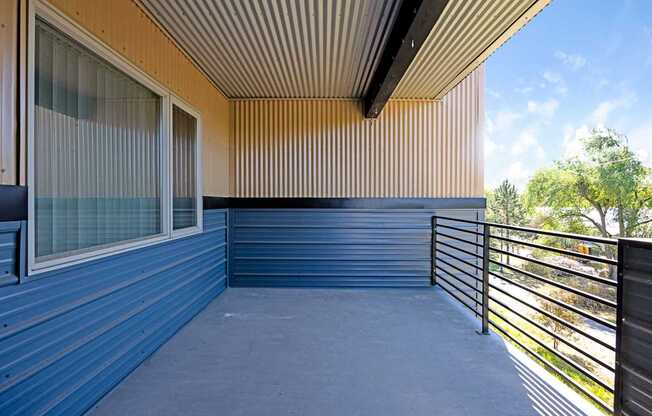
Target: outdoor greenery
x=560, y=312
x=607, y=192
x=609, y=183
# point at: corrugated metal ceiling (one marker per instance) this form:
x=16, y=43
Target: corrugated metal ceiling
x=463, y=37
x=330, y=48
x=281, y=49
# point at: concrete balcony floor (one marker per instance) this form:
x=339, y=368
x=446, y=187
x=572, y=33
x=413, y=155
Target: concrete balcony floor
x=338, y=352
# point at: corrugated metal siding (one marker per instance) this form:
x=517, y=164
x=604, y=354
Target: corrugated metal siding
x=68, y=337
x=463, y=37
x=8, y=86
x=332, y=247
x=13, y=239
x=281, y=49
x=325, y=148
x=124, y=27
x=634, y=361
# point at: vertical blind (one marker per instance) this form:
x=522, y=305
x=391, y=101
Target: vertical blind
x=184, y=198
x=97, y=151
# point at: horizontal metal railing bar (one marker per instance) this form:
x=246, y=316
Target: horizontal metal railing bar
x=577, y=273
x=563, y=375
x=471, y=308
x=459, y=220
x=475, y=289
x=557, y=319
x=569, y=362
x=461, y=240
x=553, y=335
x=468, y=263
x=470, y=275
x=451, y=267
x=557, y=250
x=461, y=250
x=557, y=302
x=601, y=240
x=551, y=282
x=461, y=230
x=457, y=287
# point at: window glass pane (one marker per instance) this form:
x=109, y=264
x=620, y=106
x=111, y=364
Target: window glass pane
x=184, y=137
x=97, y=151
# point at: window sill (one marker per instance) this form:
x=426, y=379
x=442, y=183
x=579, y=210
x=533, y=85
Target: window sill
x=52, y=265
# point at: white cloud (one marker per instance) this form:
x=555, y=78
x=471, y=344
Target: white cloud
x=505, y=120
x=640, y=141
x=601, y=113
x=574, y=61
x=490, y=146
x=545, y=109
x=552, y=77
x=572, y=145
x=555, y=80
x=527, y=142
x=517, y=174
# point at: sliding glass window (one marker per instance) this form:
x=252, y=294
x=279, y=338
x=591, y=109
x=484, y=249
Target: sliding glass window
x=184, y=169
x=98, y=151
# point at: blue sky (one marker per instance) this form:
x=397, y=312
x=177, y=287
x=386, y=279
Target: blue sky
x=579, y=64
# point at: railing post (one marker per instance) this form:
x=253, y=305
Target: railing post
x=485, y=279
x=433, y=250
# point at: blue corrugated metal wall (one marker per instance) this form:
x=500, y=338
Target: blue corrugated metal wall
x=69, y=336
x=332, y=247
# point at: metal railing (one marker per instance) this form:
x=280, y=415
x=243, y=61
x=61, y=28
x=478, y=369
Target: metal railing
x=536, y=293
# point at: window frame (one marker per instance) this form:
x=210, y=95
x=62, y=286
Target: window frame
x=46, y=12
x=182, y=105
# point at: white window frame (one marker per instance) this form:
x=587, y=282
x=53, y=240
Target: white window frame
x=182, y=105
x=46, y=12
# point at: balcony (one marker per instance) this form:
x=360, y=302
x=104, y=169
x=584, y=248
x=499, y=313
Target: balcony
x=278, y=351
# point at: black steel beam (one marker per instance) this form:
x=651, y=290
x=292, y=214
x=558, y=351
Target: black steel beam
x=413, y=24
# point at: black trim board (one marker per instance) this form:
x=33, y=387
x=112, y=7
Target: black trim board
x=344, y=203
x=13, y=203
x=413, y=24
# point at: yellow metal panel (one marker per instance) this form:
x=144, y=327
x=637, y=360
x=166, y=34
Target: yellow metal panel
x=8, y=78
x=463, y=37
x=325, y=148
x=124, y=27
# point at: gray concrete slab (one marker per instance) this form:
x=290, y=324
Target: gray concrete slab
x=334, y=352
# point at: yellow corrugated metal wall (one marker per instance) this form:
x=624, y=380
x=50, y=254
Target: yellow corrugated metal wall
x=123, y=26
x=8, y=80
x=325, y=148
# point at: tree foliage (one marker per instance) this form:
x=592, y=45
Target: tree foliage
x=505, y=205
x=607, y=184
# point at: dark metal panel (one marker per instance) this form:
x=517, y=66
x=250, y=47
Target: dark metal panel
x=634, y=334
x=12, y=261
x=351, y=203
x=68, y=337
x=332, y=247
x=13, y=203
x=414, y=22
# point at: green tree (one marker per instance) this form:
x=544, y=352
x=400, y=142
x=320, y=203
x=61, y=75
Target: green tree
x=505, y=206
x=607, y=184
